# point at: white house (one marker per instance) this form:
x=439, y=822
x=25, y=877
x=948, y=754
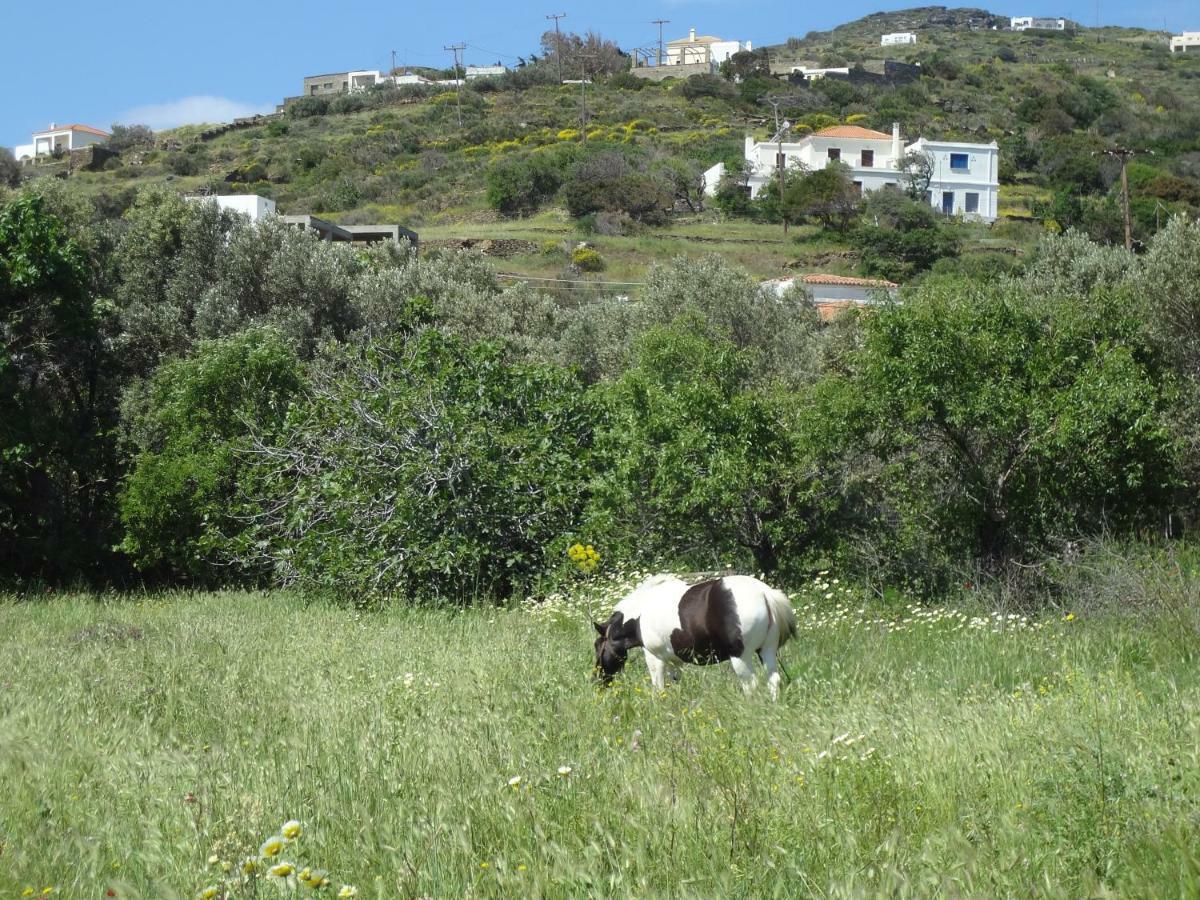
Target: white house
x=473, y=72
x=251, y=205
x=1020, y=23
x=965, y=178
x=813, y=74
x=60, y=138
x=703, y=49
x=833, y=294
x=1185, y=40
x=899, y=37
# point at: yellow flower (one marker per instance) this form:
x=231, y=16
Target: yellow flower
x=28, y=892
x=1069, y=617
x=271, y=847
x=514, y=781
x=521, y=867
x=348, y=890
x=314, y=878
x=282, y=870
x=210, y=892
x=249, y=865
x=290, y=830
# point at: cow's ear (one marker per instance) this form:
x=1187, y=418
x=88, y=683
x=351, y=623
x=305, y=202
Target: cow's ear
x=601, y=628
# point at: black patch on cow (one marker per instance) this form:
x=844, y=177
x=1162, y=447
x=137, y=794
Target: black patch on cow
x=709, y=629
x=616, y=638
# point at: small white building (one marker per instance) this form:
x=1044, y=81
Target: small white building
x=410, y=78
x=60, y=139
x=965, y=179
x=473, y=72
x=252, y=206
x=1185, y=40
x=834, y=294
x=1020, y=23
x=899, y=37
x=813, y=74
x=703, y=49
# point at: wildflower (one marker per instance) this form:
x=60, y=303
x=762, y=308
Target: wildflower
x=314, y=878
x=348, y=890
x=564, y=771
x=521, y=867
x=281, y=870
x=1069, y=617
x=28, y=892
x=249, y=865
x=290, y=829
x=210, y=893
x=213, y=860
x=271, y=847
x=514, y=781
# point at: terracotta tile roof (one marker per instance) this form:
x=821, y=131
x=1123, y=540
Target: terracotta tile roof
x=86, y=129
x=849, y=281
x=844, y=280
x=853, y=131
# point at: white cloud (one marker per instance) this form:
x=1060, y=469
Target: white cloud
x=191, y=111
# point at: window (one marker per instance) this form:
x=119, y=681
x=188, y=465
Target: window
x=958, y=162
x=868, y=159
x=972, y=202
x=858, y=188
x=891, y=186
x=835, y=153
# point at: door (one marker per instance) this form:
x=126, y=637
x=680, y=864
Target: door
x=948, y=202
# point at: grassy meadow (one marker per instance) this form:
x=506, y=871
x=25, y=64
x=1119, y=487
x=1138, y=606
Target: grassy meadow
x=947, y=751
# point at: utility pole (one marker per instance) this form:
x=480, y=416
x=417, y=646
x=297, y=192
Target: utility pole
x=660, y=23
x=557, y=41
x=1124, y=154
x=393, y=72
x=780, y=161
x=457, y=48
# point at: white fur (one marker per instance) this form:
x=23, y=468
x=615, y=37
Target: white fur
x=766, y=617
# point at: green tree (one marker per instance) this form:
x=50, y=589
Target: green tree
x=190, y=425
x=518, y=186
x=56, y=402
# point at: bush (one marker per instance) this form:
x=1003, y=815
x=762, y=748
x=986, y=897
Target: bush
x=179, y=505
x=901, y=237
x=587, y=259
x=518, y=186
x=423, y=469
x=708, y=86
x=307, y=107
x=611, y=181
x=126, y=137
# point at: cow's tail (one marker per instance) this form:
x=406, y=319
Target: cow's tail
x=780, y=609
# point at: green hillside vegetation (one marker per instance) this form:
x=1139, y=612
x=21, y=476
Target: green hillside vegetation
x=401, y=155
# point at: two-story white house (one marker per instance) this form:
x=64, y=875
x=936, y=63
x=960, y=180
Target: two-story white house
x=964, y=179
x=60, y=139
x=703, y=49
x=898, y=37
x=1183, y=41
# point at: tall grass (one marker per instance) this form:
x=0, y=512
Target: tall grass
x=914, y=753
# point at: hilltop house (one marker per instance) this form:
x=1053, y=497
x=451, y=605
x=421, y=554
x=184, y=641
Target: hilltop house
x=257, y=208
x=60, y=139
x=1185, y=40
x=965, y=178
x=703, y=49
x=470, y=73
x=1020, y=23
x=899, y=37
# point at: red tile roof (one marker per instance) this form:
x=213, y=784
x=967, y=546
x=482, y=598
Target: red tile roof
x=853, y=131
x=86, y=129
x=849, y=281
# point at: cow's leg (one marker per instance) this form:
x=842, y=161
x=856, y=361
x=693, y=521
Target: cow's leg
x=744, y=667
x=658, y=671
x=767, y=655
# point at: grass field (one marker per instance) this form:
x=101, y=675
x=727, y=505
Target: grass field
x=916, y=753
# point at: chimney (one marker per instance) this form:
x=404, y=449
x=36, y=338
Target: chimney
x=897, y=146
x=691, y=34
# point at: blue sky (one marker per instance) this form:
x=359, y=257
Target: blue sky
x=164, y=63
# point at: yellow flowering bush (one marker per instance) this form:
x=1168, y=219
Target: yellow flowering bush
x=585, y=558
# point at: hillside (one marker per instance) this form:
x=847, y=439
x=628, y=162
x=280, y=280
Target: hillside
x=1051, y=100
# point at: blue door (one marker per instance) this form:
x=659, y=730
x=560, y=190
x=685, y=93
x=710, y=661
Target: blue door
x=948, y=202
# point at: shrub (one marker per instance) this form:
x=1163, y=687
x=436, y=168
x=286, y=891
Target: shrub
x=708, y=86
x=518, y=186
x=179, y=504
x=611, y=181
x=423, y=469
x=307, y=107
x=587, y=259
x=126, y=137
